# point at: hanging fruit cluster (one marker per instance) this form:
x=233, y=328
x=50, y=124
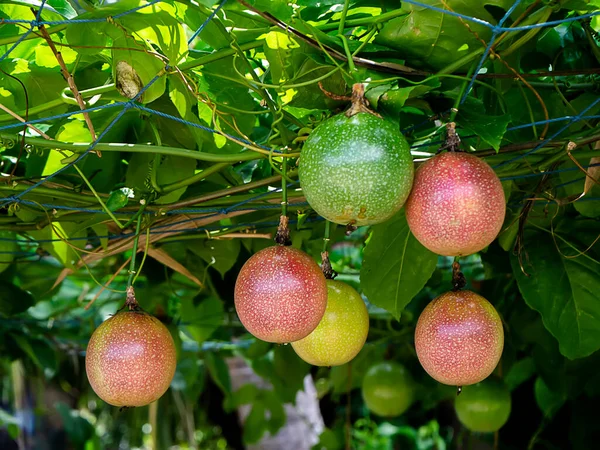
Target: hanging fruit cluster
x=356, y=169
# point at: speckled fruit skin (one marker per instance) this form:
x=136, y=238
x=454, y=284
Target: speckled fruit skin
x=130, y=359
x=356, y=170
x=280, y=294
x=342, y=331
x=484, y=407
x=459, y=338
x=388, y=389
x=457, y=204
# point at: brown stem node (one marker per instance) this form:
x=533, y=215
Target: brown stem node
x=283, y=232
x=350, y=228
x=452, y=142
x=130, y=302
x=328, y=271
x=359, y=103
x=458, y=279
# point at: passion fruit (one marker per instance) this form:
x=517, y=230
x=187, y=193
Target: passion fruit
x=280, y=294
x=459, y=338
x=457, y=204
x=356, y=168
x=342, y=331
x=130, y=359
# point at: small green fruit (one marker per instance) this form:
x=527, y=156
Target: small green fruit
x=356, y=170
x=484, y=407
x=342, y=331
x=388, y=389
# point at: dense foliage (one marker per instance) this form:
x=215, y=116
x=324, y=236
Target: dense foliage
x=196, y=146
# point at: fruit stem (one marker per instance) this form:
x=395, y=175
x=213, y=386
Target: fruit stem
x=284, y=181
x=458, y=279
x=452, y=142
x=458, y=390
x=134, y=250
x=130, y=301
x=359, y=102
x=326, y=235
x=350, y=228
x=282, y=237
x=328, y=271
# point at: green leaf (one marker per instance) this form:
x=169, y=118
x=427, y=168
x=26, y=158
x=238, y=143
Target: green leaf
x=187, y=107
x=255, y=424
x=144, y=65
x=157, y=24
x=202, y=320
x=117, y=199
x=218, y=253
x=574, y=185
x=38, y=351
x=219, y=372
x=170, y=170
x=396, y=266
x=8, y=248
x=520, y=372
x=13, y=300
x=430, y=38
x=564, y=291
x=78, y=429
x=549, y=401
x=356, y=369
x=489, y=128
x=289, y=372
x=87, y=38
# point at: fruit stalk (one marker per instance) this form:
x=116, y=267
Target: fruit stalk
x=458, y=279
x=282, y=237
x=359, y=102
x=328, y=271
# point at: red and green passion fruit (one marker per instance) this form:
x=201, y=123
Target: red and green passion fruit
x=130, y=359
x=356, y=170
x=457, y=204
x=459, y=338
x=342, y=331
x=280, y=294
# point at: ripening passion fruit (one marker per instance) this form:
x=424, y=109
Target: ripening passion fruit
x=388, y=389
x=342, y=331
x=459, y=338
x=280, y=294
x=457, y=204
x=356, y=168
x=130, y=359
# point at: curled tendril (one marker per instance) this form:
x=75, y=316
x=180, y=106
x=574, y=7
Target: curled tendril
x=8, y=143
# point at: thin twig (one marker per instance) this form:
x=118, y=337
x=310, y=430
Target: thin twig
x=70, y=81
x=20, y=119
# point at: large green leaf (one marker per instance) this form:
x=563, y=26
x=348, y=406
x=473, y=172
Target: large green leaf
x=396, y=266
x=13, y=300
x=564, y=291
x=425, y=37
x=220, y=254
x=157, y=24
x=202, y=319
x=8, y=249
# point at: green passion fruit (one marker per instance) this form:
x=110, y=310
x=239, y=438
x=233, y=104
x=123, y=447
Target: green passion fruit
x=342, y=331
x=459, y=338
x=280, y=294
x=388, y=389
x=484, y=407
x=130, y=359
x=356, y=170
